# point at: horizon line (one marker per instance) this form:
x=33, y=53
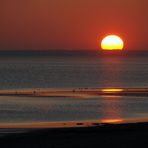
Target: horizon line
x=69, y=50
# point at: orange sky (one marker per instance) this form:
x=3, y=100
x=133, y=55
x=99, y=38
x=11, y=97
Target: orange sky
x=71, y=24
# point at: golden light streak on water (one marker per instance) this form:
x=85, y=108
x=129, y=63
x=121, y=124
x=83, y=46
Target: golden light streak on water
x=112, y=121
x=112, y=90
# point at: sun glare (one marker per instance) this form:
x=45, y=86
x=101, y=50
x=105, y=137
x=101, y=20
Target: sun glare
x=112, y=42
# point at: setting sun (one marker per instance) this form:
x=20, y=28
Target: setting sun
x=112, y=42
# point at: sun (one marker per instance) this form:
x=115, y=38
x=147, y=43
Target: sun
x=112, y=42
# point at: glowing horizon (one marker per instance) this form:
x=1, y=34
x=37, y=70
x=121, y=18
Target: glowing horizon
x=74, y=24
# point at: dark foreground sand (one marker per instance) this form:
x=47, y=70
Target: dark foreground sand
x=106, y=135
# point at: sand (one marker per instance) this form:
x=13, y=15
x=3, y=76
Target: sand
x=80, y=92
x=107, y=135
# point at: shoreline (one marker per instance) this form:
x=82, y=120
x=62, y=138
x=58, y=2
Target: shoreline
x=72, y=124
x=72, y=134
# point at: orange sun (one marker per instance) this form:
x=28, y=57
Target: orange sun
x=112, y=42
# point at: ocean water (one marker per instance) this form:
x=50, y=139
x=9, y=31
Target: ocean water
x=48, y=109
x=64, y=71
x=18, y=72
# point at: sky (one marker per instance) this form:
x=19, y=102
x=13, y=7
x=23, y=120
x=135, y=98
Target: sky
x=71, y=24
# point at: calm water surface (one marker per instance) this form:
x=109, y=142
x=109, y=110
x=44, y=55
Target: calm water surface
x=74, y=72
x=45, y=109
x=82, y=71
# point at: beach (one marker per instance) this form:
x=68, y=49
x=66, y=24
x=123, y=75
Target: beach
x=107, y=135
x=73, y=101
x=73, y=73
x=114, y=132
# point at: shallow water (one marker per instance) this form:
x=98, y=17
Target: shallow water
x=47, y=109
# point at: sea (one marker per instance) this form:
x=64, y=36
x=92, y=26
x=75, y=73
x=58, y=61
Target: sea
x=72, y=69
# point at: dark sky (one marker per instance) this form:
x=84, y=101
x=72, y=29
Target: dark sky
x=72, y=24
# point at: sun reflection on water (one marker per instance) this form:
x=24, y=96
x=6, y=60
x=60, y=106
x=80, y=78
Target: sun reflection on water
x=111, y=120
x=112, y=113
x=112, y=90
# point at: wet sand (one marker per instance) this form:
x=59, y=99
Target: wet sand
x=71, y=124
x=76, y=92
